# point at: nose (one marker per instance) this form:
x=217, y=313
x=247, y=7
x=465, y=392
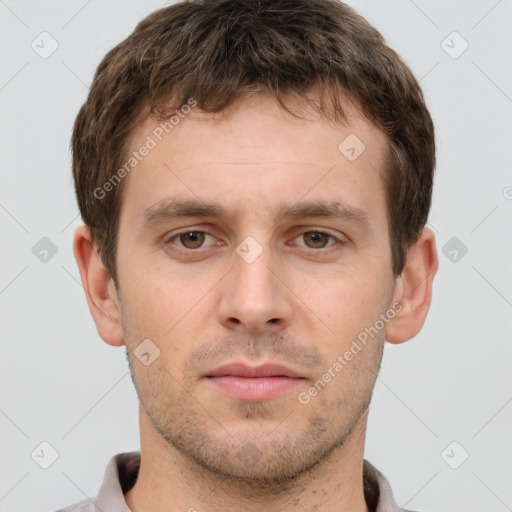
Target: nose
x=254, y=299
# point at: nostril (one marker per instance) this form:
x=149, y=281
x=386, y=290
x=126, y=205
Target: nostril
x=273, y=320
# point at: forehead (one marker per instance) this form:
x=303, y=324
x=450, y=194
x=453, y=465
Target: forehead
x=252, y=152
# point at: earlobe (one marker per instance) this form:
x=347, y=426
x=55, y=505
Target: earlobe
x=414, y=287
x=99, y=288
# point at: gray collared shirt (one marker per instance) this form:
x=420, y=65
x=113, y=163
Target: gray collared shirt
x=122, y=470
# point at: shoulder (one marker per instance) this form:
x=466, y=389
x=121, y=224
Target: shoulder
x=88, y=505
x=377, y=491
x=120, y=475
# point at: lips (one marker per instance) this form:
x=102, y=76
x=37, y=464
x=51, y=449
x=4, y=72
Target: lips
x=242, y=370
x=254, y=383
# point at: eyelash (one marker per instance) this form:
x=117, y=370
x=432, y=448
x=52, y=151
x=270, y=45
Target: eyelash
x=338, y=241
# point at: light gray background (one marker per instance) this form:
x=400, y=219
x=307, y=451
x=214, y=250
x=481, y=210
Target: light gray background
x=61, y=384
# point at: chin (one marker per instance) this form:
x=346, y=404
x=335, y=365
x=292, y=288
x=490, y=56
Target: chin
x=256, y=452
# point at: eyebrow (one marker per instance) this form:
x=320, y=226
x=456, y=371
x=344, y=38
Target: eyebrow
x=171, y=209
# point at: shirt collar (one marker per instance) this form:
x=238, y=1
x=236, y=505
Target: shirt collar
x=122, y=470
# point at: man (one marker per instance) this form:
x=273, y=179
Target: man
x=255, y=177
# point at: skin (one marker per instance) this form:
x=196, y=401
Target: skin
x=301, y=303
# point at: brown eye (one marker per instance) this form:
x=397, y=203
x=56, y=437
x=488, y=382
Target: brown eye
x=192, y=239
x=316, y=239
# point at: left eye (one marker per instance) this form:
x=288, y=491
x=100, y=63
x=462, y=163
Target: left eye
x=317, y=239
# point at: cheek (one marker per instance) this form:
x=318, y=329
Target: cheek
x=160, y=306
x=147, y=293
x=147, y=311
x=346, y=302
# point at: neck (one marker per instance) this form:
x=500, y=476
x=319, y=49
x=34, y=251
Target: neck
x=169, y=481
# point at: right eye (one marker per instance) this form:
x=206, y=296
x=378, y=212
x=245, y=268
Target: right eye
x=190, y=239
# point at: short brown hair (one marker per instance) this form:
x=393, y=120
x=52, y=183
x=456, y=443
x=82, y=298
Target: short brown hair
x=215, y=51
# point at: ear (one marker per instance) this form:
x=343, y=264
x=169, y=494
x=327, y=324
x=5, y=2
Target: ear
x=99, y=288
x=413, y=289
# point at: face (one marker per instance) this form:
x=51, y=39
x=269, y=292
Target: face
x=252, y=254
